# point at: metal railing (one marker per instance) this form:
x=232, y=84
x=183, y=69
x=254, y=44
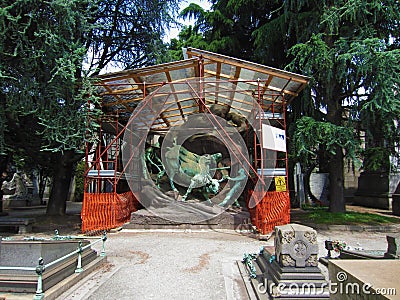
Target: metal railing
x=41, y=267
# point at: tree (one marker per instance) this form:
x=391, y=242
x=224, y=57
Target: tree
x=228, y=28
x=128, y=34
x=355, y=68
x=188, y=37
x=45, y=49
x=191, y=36
x=350, y=50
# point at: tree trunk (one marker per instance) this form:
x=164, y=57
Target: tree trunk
x=4, y=160
x=60, y=185
x=42, y=184
x=336, y=182
x=336, y=164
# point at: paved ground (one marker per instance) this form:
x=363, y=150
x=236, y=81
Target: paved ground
x=184, y=264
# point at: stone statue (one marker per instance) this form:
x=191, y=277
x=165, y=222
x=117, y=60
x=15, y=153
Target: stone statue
x=14, y=187
x=14, y=190
x=2, y=179
x=232, y=117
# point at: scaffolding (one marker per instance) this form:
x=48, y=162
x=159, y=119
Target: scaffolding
x=108, y=202
x=158, y=98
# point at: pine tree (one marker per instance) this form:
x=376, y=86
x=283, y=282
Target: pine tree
x=354, y=63
x=350, y=49
x=48, y=50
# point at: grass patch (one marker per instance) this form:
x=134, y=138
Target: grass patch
x=321, y=215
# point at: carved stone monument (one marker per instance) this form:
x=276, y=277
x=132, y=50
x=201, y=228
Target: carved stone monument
x=290, y=269
x=16, y=192
x=296, y=246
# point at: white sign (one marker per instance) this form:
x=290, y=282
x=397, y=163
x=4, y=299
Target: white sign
x=273, y=138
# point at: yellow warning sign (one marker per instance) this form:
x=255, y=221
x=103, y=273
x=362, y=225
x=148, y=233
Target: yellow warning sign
x=280, y=183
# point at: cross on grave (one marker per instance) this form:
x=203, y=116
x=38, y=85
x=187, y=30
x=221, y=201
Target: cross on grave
x=296, y=246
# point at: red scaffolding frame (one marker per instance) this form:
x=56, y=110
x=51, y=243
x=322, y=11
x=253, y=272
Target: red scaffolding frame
x=108, y=201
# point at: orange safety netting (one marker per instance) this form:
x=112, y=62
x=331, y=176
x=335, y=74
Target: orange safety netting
x=104, y=211
x=272, y=210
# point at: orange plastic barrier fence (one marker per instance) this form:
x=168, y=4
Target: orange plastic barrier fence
x=104, y=211
x=272, y=210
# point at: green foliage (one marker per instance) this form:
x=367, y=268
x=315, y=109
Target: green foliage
x=128, y=34
x=354, y=64
x=188, y=37
x=196, y=12
x=43, y=48
x=79, y=181
x=376, y=159
x=314, y=57
x=228, y=27
x=310, y=135
x=379, y=110
x=3, y=129
x=49, y=53
x=192, y=36
x=350, y=50
x=42, y=77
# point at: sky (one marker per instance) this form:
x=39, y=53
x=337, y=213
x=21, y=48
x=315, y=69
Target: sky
x=173, y=32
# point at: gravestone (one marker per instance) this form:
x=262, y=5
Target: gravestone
x=396, y=201
x=299, y=185
x=377, y=189
x=290, y=270
x=393, y=250
x=296, y=246
x=319, y=186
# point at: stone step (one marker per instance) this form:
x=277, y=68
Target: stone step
x=232, y=220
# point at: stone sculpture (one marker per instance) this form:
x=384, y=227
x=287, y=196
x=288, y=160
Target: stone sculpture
x=14, y=189
x=290, y=271
x=296, y=246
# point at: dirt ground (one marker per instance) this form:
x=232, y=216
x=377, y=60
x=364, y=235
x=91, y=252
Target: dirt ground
x=66, y=225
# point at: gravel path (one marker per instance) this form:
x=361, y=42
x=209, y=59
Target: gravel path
x=145, y=264
x=185, y=265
